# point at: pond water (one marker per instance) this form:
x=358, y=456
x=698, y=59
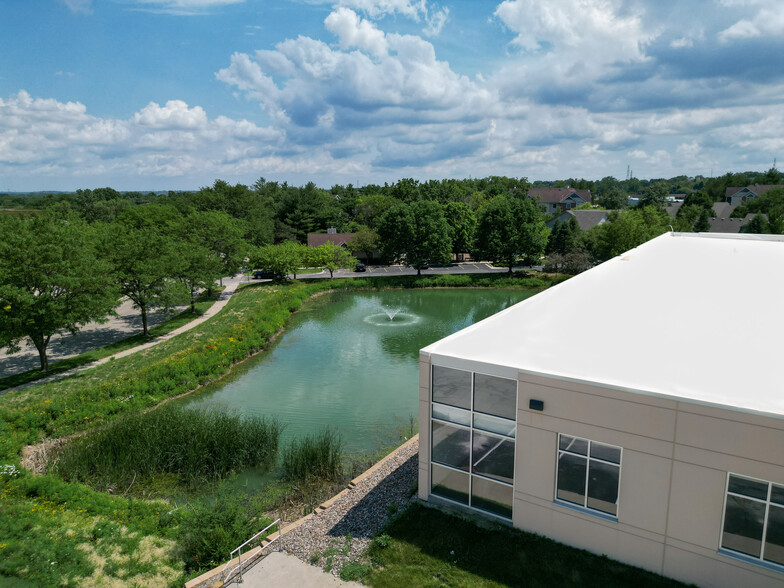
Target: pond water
x=343, y=363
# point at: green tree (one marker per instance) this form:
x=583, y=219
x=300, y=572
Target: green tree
x=417, y=234
x=365, y=241
x=626, y=230
x=563, y=237
x=330, y=257
x=510, y=228
x=285, y=258
x=614, y=198
x=145, y=263
x=51, y=280
x=702, y=224
x=655, y=195
x=758, y=225
x=462, y=226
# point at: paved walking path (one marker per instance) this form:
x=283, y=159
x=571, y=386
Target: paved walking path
x=230, y=284
x=281, y=569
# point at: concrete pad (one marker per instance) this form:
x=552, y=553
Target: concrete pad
x=281, y=569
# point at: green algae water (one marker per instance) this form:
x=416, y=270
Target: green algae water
x=343, y=363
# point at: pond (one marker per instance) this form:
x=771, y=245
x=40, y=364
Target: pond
x=343, y=363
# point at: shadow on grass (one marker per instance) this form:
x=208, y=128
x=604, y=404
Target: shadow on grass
x=428, y=547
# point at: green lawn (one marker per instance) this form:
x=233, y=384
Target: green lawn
x=426, y=547
x=63, y=365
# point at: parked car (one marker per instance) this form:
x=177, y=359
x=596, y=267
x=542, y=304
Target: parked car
x=360, y=267
x=266, y=274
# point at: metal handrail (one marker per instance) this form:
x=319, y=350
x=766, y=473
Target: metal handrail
x=224, y=574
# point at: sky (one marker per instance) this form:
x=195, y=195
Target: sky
x=174, y=94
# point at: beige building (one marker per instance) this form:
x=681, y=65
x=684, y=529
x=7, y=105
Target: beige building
x=645, y=423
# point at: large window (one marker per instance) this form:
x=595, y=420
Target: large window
x=472, y=430
x=588, y=474
x=754, y=519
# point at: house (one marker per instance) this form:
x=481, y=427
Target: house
x=673, y=462
x=560, y=199
x=738, y=195
x=586, y=219
x=331, y=236
x=729, y=224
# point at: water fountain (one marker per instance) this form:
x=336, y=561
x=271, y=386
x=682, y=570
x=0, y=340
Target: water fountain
x=391, y=316
x=390, y=312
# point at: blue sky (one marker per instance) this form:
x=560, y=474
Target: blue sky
x=172, y=94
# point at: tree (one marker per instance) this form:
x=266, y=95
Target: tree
x=462, y=226
x=655, y=195
x=510, y=228
x=285, y=258
x=50, y=280
x=614, y=198
x=626, y=230
x=365, y=241
x=221, y=235
x=563, y=237
x=417, y=233
x=330, y=256
x=758, y=225
x=145, y=263
x=702, y=224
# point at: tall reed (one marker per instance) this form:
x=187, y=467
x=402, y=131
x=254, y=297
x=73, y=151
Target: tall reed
x=194, y=445
x=319, y=455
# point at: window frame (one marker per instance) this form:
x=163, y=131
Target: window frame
x=470, y=428
x=584, y=506
x=729, y=551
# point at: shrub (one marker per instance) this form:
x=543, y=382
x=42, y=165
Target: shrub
x=319, y=455
x=354, y=571
x=195, y=445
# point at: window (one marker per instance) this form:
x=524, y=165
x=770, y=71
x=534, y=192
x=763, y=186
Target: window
x=473, y=430
x=588, y=474
x=754, y=519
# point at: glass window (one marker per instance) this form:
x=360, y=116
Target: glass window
x=743, y=522
x=451, y=445
x=452, y=414
x=588, y=474
x=754, y=519
x=493, y=457
x=472, y=445
x=452, y=387
x=491, y=496
x=495, y=425
x=449, y=484
x=496, y=396
x=774, y=537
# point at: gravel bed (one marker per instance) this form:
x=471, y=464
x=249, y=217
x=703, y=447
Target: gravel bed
x=359, y=513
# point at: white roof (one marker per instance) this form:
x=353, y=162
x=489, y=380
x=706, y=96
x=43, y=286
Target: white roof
x=695, y=317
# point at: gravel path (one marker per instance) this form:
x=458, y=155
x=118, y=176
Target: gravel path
x=359, y=513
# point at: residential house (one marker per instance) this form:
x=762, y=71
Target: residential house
x=738, y=195
x=560, y=199
x=586, y=219
x=670, y=462
x=331, y=236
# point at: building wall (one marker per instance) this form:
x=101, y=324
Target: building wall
x=675, y=461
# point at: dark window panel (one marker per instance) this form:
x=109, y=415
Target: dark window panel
x=451, y=446
x=492, y=497
x=774, y=536
x=747, y=487
x=452, y=414
x=743, y=521
x=573, y=445
x=606, y=452
x=495, y=425
x=449, y=484
x=603, y=486
x=452, y=386
x=571, y=478
x=496, y=396
x=777, y=494
x=493, y=457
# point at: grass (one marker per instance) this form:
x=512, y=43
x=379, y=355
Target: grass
x=63, y=365
x=426, y=547
x=319, y=455
x=195, y=446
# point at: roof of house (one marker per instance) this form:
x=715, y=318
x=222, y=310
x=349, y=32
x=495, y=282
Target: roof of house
x=339, y=239
x=678, y=289
x=672, y=208
x=758, y=189
x=728, y=224
x=554, y=195
x=724, y=209
x=586, y=219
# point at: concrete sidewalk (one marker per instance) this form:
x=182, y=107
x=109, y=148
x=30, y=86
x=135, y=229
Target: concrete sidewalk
x=281, y=569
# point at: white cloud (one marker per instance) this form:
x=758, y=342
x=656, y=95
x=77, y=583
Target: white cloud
x=768, y=22
x=593, y=25
x=182, y=6
x=354, y=32
x=433, y=15
x=79, y=6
